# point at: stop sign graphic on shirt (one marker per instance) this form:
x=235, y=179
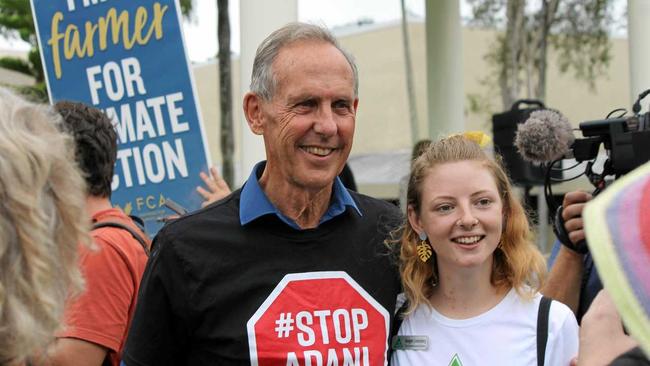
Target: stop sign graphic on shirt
x=318, y=319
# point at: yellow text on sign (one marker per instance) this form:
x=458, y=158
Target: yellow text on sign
x=82, y=44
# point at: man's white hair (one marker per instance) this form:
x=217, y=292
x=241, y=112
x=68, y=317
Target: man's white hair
x=263, y=82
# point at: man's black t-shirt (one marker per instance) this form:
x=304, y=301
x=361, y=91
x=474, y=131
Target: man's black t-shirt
x=218, y=293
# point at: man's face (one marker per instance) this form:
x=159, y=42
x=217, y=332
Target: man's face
x=308, y=125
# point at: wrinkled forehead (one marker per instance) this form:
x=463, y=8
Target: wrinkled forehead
x=310, y=58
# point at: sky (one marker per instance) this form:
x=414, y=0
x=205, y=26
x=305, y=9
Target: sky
x=200, y=33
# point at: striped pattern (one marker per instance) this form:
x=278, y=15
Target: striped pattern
x=617, y=225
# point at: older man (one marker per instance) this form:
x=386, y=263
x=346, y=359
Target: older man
x=290, y=269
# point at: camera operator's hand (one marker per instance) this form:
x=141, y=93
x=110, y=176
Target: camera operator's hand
x=601, y=335
x=565, y=277
x=574, y=203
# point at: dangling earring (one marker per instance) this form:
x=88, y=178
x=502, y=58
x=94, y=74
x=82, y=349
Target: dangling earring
x=424, y=249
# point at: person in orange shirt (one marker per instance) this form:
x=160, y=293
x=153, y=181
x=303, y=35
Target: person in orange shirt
x=96, y=322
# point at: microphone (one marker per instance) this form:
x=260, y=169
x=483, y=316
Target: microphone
x=545, y=136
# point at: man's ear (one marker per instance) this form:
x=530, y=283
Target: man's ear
x=414, y=219
x=253, y=112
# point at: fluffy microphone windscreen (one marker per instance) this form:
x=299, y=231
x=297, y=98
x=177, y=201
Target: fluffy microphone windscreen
x=545, y=136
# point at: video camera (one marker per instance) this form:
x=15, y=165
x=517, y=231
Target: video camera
x=626, y=140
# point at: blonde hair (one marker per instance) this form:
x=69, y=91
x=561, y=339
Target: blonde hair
x=517, y=262
x=42, y=221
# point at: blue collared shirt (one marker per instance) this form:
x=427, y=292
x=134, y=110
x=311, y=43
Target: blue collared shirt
x=253, y=202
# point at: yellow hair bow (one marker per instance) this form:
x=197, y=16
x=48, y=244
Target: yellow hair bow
x=479, y=137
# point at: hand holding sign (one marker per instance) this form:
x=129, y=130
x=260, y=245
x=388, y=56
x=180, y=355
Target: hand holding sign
x=217, y=188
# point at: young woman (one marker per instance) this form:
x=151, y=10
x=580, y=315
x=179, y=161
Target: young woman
x=469, y=269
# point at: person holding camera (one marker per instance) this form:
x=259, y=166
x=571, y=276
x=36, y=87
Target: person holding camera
x=97, y=321
x=573, y=278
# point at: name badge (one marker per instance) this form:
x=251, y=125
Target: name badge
x=415, y=343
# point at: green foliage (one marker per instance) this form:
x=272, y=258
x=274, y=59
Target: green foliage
x=576, y=30
x=36, y=93
x=487, y=13
x=34, y=57
x=580, y=38
x=186, y=7
x=483, y=104
x=15, y=64
x=16, y=20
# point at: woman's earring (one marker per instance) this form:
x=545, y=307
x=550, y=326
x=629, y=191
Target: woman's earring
x=424, y=249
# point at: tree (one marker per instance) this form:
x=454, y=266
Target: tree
x=186, y=7
x=16, y=22
x=408, y=69
x=227, y=135
x=225, y=92
x=576, y=29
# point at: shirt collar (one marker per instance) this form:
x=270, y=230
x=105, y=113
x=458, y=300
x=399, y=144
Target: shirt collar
x=254, y=203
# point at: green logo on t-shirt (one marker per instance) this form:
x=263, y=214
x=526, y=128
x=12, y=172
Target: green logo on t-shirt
x=455, y=361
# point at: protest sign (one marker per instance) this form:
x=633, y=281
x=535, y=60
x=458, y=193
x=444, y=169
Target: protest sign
x=128, y=59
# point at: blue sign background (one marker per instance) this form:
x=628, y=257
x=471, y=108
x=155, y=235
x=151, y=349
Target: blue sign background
x=163, y=71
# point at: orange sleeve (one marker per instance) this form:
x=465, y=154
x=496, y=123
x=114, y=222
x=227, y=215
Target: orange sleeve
x=100, y=314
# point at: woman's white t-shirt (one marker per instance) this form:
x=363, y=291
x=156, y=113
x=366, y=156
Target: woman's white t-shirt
x=504, y=335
